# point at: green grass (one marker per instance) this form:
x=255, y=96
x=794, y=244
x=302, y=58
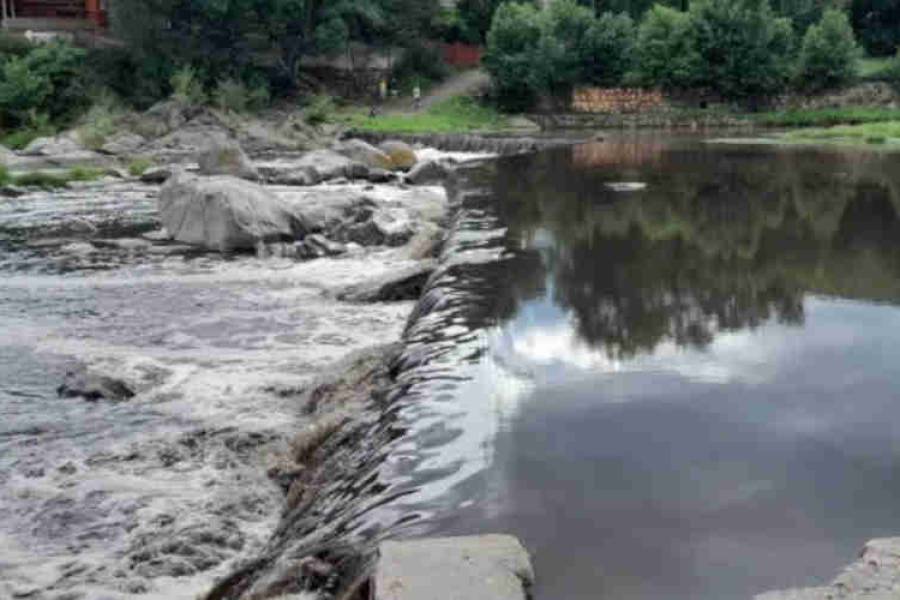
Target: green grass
x=828, y=117
x=139, y=166
x=870, y=68
x=49, y=181
x=868, y=133
x=457, y=115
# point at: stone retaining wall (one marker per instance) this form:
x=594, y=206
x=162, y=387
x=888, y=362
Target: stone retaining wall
x=617, y=100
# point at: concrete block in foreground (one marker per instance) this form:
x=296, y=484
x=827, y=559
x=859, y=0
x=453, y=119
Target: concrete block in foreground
x=483, y=567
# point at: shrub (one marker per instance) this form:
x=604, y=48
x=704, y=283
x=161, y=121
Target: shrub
x=139, y=166
x=48, y=80
x=187, y=87
x=138, y=78
x=81, y=173
x=231, y=95
x=319, y=110
x=666, y=53
x=744, y=49
x=829, y=53
x=101, y=120
x=5, y=177
x=511, y=53
x=37, y=125
x=41, y=179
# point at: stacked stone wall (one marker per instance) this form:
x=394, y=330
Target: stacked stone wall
x=617, y=100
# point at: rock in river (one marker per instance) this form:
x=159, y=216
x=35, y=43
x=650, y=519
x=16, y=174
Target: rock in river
x=403, y=157
x=91, y=386
x=225, y=157
x=223, y=213
x=365, y=153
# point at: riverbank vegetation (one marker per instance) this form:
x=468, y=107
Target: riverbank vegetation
x=49, y=180
x=241, y=56
x=742, y=51
x=450, y=116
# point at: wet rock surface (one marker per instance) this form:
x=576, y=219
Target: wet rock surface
x=93, y=386
x=874, y=576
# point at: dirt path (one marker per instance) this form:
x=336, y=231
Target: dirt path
x=461, y=84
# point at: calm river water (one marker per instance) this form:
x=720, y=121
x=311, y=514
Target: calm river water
x=686, y=391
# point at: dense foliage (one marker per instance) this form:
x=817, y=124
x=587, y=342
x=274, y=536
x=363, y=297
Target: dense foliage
x=41, y=84
x=740, y=50
x=745, y=50
x=532, y=52
x=829, y=52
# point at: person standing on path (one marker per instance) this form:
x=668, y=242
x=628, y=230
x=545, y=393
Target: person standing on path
x=417, y=97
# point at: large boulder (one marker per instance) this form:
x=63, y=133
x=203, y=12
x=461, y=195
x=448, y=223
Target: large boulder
x=403, y=157
x=52, y=146
x=123, y=144
x=225, y=157
x=365, y=153
x=223, y=213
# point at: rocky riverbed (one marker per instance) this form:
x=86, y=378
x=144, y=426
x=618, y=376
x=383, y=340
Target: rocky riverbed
x=194, y=322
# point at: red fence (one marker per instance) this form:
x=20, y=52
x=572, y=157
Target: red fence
x=462, y=55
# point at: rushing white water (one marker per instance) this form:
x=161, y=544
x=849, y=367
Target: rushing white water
x=160, y=494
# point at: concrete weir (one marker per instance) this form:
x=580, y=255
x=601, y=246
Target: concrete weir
x=482, y=567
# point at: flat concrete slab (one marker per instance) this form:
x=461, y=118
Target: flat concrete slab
x=484, y=567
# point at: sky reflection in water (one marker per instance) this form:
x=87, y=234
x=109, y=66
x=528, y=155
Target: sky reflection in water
x=704, y=397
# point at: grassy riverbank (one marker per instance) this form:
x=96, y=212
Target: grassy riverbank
x=869, y=133
x=457, y=115
x=828, y=117
x=49, y=180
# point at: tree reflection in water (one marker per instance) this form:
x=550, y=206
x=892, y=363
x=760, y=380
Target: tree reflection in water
x=722, y=238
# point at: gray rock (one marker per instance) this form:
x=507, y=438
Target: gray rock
x=380, y=176
x=402, y=155
x=289, y=175
x=52, y=146
x=123, y=144
x=328, y=164
x=875, y=576
x=12, y=191
x=364, y=153
x=386, y=227
x=223, y=213
x=317, y=246
x=225, y=157
x=428, y=172
x=91, y=386
x=487, y=567
x=403, y=284
x=157, y=174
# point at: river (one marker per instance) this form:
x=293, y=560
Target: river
x=667, y=365
x=682, y=388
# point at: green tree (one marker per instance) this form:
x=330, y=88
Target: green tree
x=829, y=53
x=667, y=56
x=745, y=50
x=877, y=24
x=512, y=44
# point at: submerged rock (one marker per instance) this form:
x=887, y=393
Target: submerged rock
x=225, y=157
x=428, y=172
x=317, y=246
x=403, y=284
x=403, y=157
x=91, y=386
x=223, y=213
x=364, y=153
